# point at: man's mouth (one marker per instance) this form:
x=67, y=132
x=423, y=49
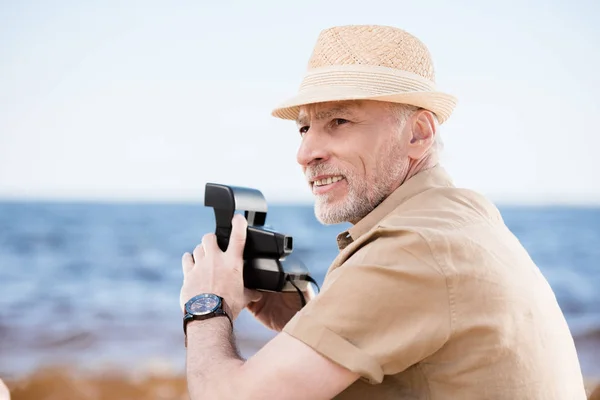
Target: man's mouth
x=324, y=184
x=327, y=181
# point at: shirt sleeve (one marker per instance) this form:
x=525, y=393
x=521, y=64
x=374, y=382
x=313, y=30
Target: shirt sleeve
x=386, y=308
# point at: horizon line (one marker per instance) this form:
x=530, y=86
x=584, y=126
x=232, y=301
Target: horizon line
x=498, y=201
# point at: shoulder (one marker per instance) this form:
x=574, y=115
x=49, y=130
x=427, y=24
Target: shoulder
x=442, y=208
x=426, y=230
x=432, y=222
x=391, y=254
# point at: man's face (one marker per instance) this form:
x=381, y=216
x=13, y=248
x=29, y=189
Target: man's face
x=354, y=154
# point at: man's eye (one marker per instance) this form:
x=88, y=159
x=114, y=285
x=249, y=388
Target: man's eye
x=340, y=121
x=303, y=130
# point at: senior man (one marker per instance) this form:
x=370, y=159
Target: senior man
x=431, y=295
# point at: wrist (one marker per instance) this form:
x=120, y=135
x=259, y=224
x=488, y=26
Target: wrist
x=205, y=331
x=218, y=324
x=203, y=308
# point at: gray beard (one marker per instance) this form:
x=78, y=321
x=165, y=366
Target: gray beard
x=352, y=208
x=363, y=196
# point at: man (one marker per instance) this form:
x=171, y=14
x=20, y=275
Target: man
x=430, y=297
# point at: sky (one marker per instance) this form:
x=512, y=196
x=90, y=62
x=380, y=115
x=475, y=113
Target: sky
x=150, y=100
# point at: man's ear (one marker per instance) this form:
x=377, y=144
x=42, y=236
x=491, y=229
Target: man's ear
x=423, y=131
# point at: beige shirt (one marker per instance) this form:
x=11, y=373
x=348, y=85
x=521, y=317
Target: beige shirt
x=432, y=297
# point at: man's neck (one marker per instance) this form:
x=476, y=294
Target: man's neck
x=416, y=166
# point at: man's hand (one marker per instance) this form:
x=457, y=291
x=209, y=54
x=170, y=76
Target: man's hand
x=211, y=270
x=274, y=310
x=214, y=368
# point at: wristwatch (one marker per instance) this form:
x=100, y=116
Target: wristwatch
x=204, y=306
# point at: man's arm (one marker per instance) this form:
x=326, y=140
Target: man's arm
x=211, y=355
x=284, y=368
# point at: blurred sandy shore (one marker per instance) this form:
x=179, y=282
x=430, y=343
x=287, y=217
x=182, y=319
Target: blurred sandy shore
x=64, y=384
x=61, y=383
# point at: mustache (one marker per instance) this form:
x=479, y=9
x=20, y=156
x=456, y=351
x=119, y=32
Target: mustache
x=322, y=169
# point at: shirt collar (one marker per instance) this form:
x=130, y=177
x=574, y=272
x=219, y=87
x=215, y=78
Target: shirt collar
x=426, y=179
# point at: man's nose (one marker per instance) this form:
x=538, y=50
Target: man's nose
x=314, y=147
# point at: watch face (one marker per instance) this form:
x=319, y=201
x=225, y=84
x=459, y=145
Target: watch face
x=203, y=304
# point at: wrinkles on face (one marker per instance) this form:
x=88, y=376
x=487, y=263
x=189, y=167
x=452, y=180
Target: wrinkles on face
x=312, y=114
x=367, y=151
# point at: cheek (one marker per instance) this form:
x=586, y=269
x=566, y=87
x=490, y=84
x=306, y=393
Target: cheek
x=373, y=155
x=360, y=160
x=385, y=158
x=365, y=153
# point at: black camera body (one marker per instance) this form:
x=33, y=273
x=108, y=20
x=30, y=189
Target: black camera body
x=267, y=262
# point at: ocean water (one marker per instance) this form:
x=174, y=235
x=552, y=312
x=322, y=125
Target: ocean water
x=96, y=286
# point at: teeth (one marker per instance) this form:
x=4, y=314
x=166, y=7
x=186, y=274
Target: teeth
x=327, y=181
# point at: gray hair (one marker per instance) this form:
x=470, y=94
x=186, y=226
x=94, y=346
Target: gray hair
x=403, y=111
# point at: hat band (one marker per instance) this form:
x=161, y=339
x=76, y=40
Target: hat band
x=373, y=79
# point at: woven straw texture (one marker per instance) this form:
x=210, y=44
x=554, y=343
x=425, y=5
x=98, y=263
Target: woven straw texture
x=372, y=45
x=369, y=62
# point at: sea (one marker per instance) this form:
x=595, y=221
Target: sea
x=95, y=286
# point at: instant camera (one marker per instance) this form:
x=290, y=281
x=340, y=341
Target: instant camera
x=268, y=265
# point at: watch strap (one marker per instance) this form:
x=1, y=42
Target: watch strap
x=219, y=312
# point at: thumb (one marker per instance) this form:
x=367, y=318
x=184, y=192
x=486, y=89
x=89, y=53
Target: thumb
x=237, y=240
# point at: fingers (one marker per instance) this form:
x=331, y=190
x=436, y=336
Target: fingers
x=199, y=252
x=252, y=295
x=237, y=240
x=209, y=242
x=187, y=263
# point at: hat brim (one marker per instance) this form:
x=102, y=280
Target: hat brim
x=441, y=104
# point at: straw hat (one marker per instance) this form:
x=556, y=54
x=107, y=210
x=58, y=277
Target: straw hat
x=369, y=62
